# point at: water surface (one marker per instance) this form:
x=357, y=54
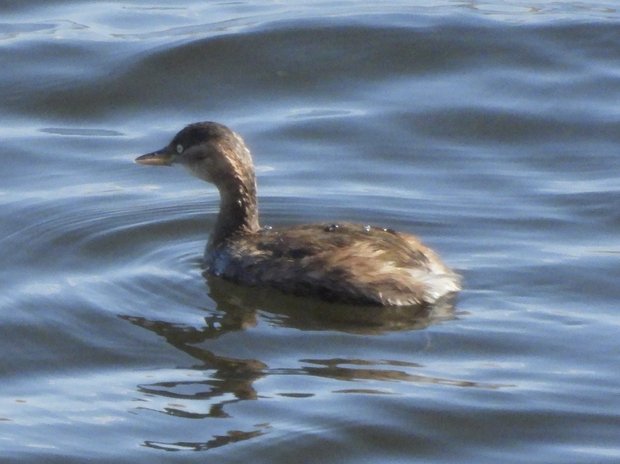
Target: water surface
x=490, y=129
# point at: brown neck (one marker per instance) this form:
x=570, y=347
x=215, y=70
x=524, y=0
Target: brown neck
x=238, y=211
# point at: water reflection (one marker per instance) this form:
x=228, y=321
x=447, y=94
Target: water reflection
x=233, y=436
x=227, y=380
x=230, y=381
x=308, y=314
x=359, y=369
x=229, y=376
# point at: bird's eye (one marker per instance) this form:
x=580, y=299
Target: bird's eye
x=179, y=149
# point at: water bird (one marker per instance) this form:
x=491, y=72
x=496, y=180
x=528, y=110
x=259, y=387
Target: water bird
x=337, y=262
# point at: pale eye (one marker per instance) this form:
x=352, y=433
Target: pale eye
x=179, y=149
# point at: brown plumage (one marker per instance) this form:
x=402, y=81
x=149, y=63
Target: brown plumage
x=340, y=262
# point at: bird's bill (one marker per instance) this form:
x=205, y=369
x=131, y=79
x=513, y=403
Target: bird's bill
x=157, y=158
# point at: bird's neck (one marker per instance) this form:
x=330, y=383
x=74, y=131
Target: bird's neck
x=238, y=210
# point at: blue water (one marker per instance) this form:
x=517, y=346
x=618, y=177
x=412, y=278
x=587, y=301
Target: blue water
x=490, y=129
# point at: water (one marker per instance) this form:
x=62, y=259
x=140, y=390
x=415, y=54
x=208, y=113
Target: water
x=488, y=128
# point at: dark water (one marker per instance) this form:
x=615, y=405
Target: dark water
x=491, y=129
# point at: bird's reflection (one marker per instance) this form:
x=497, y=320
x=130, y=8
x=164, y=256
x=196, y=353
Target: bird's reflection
x=232, y=436
x=227, y=380
x=229, y=375
x=308, y=314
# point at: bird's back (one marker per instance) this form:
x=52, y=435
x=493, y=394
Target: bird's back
x=345, y=263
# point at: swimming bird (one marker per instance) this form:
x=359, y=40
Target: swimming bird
x=336, y=262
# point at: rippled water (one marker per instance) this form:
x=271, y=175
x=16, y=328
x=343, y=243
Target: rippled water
x=491, y=129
